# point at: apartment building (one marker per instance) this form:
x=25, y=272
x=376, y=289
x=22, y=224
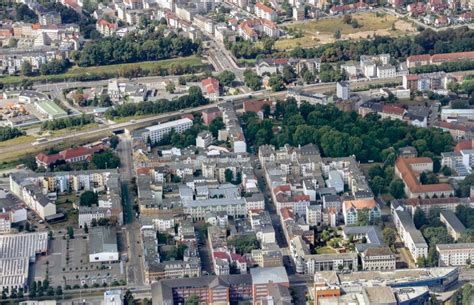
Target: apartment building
x=157, y=132
x=410, y=235
x=407, y=170
x=263, y=11
x=352, y=208
x=378, y=259
x=454, y=227
x=460, y=254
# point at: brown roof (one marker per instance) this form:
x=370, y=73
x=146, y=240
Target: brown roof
x=264, y=8
x=409, y=177
x=423, y=57
x=391, y=109
x=431, y=201
x=255, y=106
x=359, y=204
x=452, y=56
x=463, y=145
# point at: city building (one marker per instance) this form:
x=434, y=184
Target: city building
x=378, y=259
x=103, y=245
x=342, y=90
x=263, y=278
x=157, y=132
x=263, y=11
x=461, y=254
x=410, y=235
x=211, y=87
x=204, y=139
x=50, y=110
x=351, y=209
x=453, y=225
x=408, y=170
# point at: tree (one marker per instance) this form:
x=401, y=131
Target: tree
x=397, y=188
x=288, y=74
x=363, y=217
x=419, y=218
x=194, y=91
x=389, y=236
x=105, y=160
x=337, y=34
x=114, y=141
x=170, y=87
x=86, y=228
x=347, y=19
x=276, y=83
x=266, y=110
x=128, y=298
x=244, y=244
x=226, y=77
x=252, y=80
x=377, y=185
x=26, y=68
x=465, y=185
x=216, y=125
x=309, y=77
x=70, y=232
x=229, y=175
x=193, y=300
x=88, y=198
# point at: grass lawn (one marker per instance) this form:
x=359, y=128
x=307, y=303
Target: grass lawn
x=193, y=61
x=317, y=32
x=325, y=250
x=16, y=141
x=66, y=131
x=367, y=22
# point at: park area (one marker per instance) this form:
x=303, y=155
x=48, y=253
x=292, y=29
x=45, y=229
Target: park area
x=361, y=25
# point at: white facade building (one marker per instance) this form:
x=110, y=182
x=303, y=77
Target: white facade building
x=157, y=132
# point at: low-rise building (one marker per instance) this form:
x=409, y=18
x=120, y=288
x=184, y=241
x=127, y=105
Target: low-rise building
x=410, y=235
x=460, y=254
x=454, y=227
x=103, y=245
x=378, y=258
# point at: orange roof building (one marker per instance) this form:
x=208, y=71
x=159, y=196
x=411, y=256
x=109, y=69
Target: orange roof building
x=409, y=170
x=352, y=208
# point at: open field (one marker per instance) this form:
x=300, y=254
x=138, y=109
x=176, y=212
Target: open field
x=15, y=141
x=191, y=61
x=322, y=31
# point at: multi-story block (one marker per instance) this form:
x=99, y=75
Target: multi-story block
x=461, y=254
x=378, y=258
x=157, y=132
x=410, y=235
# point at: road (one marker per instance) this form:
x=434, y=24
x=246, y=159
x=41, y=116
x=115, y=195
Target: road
x=134, y=266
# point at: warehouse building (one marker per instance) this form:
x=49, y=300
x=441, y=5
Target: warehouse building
x=50, y=110
x=103, y=245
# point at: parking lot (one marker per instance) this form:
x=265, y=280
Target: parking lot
x=67, y=264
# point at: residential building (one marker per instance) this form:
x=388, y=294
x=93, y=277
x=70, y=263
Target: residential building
x=106, y=28
x=460, y=254
x=204, y=139
x=342, y=90
x=157, y=132
x=351, y=209
x=210, y=114
x=407, y=169
x=453, y=225
x=211, y=87
x=263, y=278
x=263, y=11
x=410, y=235
x=5, y=223
x=378, y=259
x=386, y=71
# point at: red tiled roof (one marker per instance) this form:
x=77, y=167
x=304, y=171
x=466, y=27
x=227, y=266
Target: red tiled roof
x=392, y=109
x=422, y=57
x=301, y=197
x=221, y=255
x=408, y=175
x=238, y=257
x=110, y=25
x=255, y=106
x=431, y=201
x=411, y=77
x=211, y=84
x=286, y=213
x=360, y=204
x=75, y=152
x=282, y=188
x=452, y=56
x=47, y=159
x=463, y=145
x=264, y=8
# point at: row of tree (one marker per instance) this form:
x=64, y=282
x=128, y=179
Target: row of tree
x=340, y=134
x=135, y=47
x=68, y=122
x=193, y=99
x=7, y=133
